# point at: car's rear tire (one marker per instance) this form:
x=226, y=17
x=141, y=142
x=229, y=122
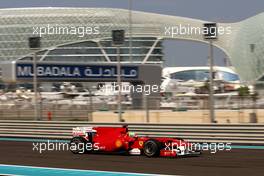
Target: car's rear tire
x=152, y=148
x=78, y=145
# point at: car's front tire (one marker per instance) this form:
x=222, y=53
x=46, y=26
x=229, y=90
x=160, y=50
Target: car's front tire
x=152, y=148
x=78, y=145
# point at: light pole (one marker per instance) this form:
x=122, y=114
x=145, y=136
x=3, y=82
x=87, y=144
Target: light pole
x=35, y=85
x=118, y=37
x=210, y=34
x=119, y=84
x=91, y=105
x=211, y=91
x=34, y=44
x=254, y=96
x=130, y=30
x=146, y=107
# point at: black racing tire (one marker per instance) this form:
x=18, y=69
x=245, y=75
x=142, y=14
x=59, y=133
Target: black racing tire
x=78, y=145
x=152, y=148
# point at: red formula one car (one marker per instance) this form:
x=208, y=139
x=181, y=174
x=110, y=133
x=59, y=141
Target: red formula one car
x=120, y=140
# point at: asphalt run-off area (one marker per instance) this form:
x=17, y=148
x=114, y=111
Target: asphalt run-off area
x=18, y=158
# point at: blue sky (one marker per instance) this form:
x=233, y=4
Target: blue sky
x=177, y=53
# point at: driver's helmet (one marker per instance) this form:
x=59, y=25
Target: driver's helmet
x=131, y=134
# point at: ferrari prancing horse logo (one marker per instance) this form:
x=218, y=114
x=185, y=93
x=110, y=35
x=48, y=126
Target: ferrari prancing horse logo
x=141, y=143
x=118, y=143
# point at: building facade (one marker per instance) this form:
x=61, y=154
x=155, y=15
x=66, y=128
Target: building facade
x=84, y=35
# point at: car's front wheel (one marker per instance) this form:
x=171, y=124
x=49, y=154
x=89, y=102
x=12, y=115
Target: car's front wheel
x=151, y=148
x=78, y=145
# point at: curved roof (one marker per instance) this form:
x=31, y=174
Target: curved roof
x=244, y=46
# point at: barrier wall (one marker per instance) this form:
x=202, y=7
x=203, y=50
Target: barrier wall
x=233, y=133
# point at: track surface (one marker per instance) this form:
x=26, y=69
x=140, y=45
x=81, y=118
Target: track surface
x=234, y=162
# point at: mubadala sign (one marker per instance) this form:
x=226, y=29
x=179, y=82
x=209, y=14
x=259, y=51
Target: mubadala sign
x=53, y=71
x=74, y=71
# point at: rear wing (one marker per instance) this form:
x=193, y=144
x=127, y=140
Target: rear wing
x=82, y=131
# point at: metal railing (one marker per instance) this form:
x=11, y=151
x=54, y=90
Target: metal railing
x=232, y=133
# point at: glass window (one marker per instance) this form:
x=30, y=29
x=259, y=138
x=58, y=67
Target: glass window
x=203, y=75
x=75, y=51
x=197, y=75
x=81, y=44
x=183, y=75
x=226, y=76
x=90, y=51
x=76, y=58
x=40, y=54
